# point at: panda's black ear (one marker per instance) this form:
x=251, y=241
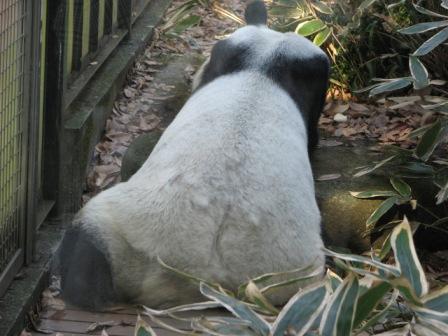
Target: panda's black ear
x=256, y=13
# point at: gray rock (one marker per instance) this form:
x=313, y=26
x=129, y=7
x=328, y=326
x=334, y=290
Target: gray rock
x=137, y=154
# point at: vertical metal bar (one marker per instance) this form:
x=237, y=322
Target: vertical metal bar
x=43, y=31
x=25, y=127
x=108, y=13
x=101, y=12
x=86, y=27
x=68, y=38
x=33, y=125
x=125, y=14
x=94, y=12
x=115, y=14
x=54, y=89
x=77, y=33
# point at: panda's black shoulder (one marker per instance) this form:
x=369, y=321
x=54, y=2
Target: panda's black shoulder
x=226, y=58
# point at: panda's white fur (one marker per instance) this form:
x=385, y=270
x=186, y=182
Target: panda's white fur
x=227, y=193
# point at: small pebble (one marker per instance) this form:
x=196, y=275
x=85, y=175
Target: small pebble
x=339, y=117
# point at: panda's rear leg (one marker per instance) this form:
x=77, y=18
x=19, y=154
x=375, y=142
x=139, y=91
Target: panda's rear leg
x=86, y=276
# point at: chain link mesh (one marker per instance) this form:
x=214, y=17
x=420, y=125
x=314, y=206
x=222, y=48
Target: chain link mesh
x=12, y=61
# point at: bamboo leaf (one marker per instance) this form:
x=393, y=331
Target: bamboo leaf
x=185, y=23
x=329, y=317
x=416, y=169
x=429, y=141
x=404, y=331
x=338, y=315
x=292, y=274
x=143, y=329
x=373, y=194
x=334, y=279
x=380, y=315
x=366, y=4
x=391, y=270
x=310, y=27
x=254, y=295
x=322, y=36
x=444, y=4
x=183, y=308
x=322, y=7
x=419, y=73
x=401, y=186
x=301, y=310
x=396, y=84
x=285, y=12
x=382, y=209
x=406, y=290
x=442, y=195
x=406, y=257
x=237, y=308
x=428, y=314
x=346, y=314
x=369, y=301
x=432, y=43
x=182, y=274
x=369, y=169
x=316, y=273
x=423, y=27
x=425, y=11
x=437, y=300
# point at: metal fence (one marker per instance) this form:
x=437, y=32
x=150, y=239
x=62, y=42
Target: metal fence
x=13, y=17
x=49, y=50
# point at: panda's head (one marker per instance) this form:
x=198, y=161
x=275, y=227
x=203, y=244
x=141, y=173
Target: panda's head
x=290, y=60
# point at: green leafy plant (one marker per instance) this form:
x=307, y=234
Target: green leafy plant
x=419, y=74
x=372, y=293
x=329, y=24
x=402, y=194
x=421, y=166
x=181, y=18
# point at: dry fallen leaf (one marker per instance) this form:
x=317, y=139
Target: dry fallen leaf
x=330, y=143
x=328, y=177
x=50, y=300
x=101, y=325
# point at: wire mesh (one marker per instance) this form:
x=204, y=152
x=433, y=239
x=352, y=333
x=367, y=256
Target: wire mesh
x=12, y=61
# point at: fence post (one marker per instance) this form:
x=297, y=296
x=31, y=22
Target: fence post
x=94, y=12
x=125, y=14
x=32, y=86
x=53, y=94
x=77, y=34
x=108, y=18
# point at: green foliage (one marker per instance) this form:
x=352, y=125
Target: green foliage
x=419, y=73
x=181, y=18
x=369, y=39
x=371, y=294
x=419, y=164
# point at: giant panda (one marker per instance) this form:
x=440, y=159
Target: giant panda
x=227, y=194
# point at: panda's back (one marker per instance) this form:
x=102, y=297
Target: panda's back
x=227, y=176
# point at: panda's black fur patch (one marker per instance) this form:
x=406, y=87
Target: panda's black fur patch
x=305, y=80
x=86, y=276
x=256, y=13
x=225, y=59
